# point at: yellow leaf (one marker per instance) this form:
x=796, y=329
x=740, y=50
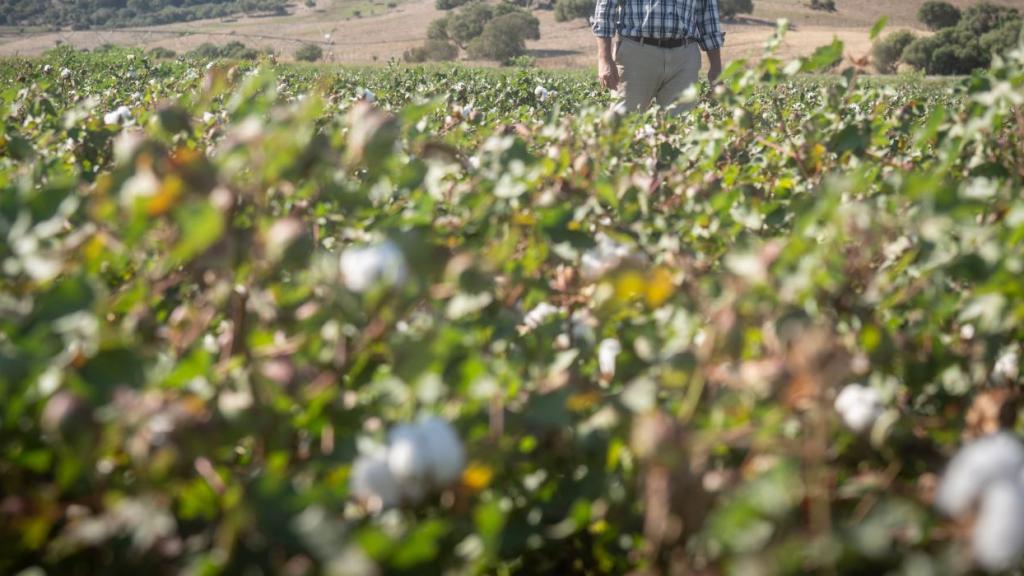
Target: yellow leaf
x=477, y=476
x=582, y=401
x=170, y=190
x=659, y=287
x=629, y=285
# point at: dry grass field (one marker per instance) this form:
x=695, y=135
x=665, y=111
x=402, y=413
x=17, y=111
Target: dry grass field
x=368, y=31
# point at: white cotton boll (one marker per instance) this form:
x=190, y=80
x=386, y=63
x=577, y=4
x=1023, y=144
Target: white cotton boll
x=541, y=93
x=372, y=481
x=65, y=74
x=407, y=457
x=445, y=455
x=143, y=184
x=859, y=406
x=603, y=258
x=47, y=69
x=366, y=95
x=975, y=467
x=1007, y=366
x=998, y=539
x=365, y=266
x=122, y=115
x=539, y=314
x=607, y=353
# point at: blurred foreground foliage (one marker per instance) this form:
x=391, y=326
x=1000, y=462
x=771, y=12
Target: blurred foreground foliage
x=186, y=379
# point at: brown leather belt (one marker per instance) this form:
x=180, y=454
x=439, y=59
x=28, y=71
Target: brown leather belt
x=661, y=42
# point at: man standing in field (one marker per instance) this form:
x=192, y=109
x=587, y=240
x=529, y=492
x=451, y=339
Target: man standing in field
x=656, y=56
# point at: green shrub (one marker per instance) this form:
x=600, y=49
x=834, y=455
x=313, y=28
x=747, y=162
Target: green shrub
x=161, y=53
x=449, y=4
x=887, y=52
x=730, y=8
x=823, y=5
x=233, y=50
x=309, y=53
x=984, y=30
x=432, y=50
x=937, y=15
x=566, y=10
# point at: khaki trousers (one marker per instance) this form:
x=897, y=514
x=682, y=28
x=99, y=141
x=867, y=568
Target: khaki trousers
x=649, y=73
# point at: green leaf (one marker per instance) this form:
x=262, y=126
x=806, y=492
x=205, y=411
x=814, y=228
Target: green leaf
x=824, y=57
x=201, y=225
x=878, y=27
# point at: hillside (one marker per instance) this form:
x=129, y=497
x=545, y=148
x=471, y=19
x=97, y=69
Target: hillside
x=368, y=31
x=85, y=14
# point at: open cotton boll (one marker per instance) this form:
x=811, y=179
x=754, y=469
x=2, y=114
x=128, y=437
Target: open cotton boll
x=539, y=314
x=603, y=258
x=540, y=92
x=998, y=538
x=975, y=467
x=122, y=115
x=362, y=267
x=372, y=481
x=607, y=353
x=445, y=455
x=407, y=457
x=1007, y=366
x=859, y=406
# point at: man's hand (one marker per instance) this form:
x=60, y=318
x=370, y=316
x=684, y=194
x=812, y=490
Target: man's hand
x=715, y=59
x=607, y=71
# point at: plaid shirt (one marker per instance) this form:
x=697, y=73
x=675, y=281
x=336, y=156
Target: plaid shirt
x=661, y=19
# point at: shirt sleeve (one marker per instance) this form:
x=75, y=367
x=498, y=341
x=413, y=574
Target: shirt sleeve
x=709, y=24
x=603, y=25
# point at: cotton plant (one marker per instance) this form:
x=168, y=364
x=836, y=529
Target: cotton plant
x=420, y=459
x=382, y=263
x=988, y=475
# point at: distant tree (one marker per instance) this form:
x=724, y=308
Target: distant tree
x=731, y=8
x=566, y=10
x=309, y=53
x=502, y=39
x=937, y=15
x=438, y=29
x=986, y=17
x=887, y=52
x=469, y=22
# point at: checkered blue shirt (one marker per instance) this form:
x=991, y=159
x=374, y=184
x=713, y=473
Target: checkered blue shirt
x=661, y=19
